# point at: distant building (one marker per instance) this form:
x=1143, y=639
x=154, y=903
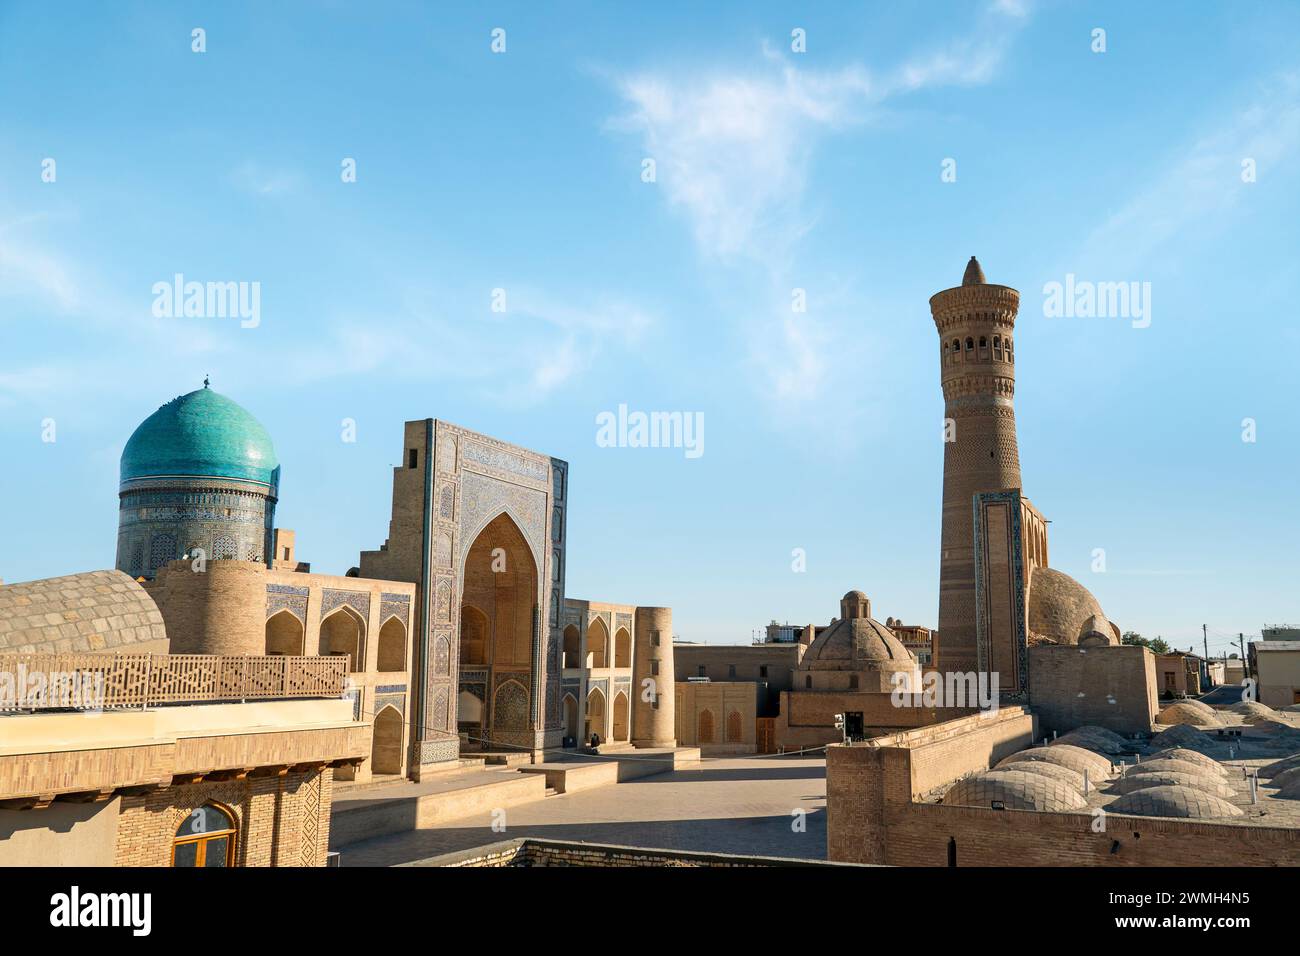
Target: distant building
x=921, y=641
x=1179, y=674
x=771, y=666
x=1276, y=665
x=1281, y=633
x=792, y=633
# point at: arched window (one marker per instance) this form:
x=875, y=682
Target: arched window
x=284, y=634
x=392, y=645
x=734, y=735
x=342, y=634
x=205, y=838
x=706, y=727
x=984, y=343
x=970, y=344
x=572, y=646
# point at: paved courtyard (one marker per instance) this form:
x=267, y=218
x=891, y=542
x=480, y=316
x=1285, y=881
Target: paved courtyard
x=726, y=805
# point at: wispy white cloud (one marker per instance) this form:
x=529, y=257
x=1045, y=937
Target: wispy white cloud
x=538, y=346
x=1197, y=188
x=26, y=269
x=732, y=146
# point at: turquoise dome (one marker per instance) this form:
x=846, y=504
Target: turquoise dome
x=201, y=434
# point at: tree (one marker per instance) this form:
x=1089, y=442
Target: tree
x=1156, y=645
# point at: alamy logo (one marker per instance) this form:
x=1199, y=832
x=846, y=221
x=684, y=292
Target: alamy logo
x=651, y=430
x=74, y=908
x=951, y=689
x=1083, y=299
x=25, y=689
x=209, y=300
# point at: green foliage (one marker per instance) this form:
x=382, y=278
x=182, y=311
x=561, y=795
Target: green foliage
x=1156, y=645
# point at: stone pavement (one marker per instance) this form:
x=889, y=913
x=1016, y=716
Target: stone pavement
x=726, y=805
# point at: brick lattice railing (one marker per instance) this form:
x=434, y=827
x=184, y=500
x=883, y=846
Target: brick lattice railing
x=118, y=681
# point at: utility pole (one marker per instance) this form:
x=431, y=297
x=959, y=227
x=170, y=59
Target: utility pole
x=1241, y=645
x=1205, y=661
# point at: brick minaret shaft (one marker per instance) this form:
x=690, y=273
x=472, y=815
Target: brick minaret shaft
x=975, y=323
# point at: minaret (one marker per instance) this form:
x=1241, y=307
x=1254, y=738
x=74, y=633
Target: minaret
x=653, y=721
x=977, y=371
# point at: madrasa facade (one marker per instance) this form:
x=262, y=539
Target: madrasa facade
x=457, y=630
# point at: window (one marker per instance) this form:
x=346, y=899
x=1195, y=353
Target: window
x=807, y=682
x=853, y=682
x=762, y=670
x=970, y=344
x=205, y=838
x=654, y=638
x=731, y=671
x=412, y=456
x=286, y=554
x=700, y=669
x=654, y=668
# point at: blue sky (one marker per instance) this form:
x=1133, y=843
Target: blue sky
x=775, y=170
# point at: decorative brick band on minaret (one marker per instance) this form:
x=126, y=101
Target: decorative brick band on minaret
x=975, y=322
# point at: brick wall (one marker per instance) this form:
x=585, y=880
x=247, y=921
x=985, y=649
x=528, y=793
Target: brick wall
x=1113, y=687
x=807, y=719
x=919, y=835
x=281, y=821
x=873, y=816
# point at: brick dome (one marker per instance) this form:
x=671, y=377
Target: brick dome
x=1015, y=790
x=1174, y=802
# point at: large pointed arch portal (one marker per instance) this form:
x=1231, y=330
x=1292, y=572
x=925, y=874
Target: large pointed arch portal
x=501, y=583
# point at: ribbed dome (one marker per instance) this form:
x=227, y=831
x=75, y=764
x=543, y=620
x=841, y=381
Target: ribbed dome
x=202, y=434
x=859, y=640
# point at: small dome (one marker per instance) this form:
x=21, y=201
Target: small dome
x=1188, y=756
x=1015, y=790
x=201, y=435
x=974, y=274
x=1184, y=712
x=1185, y=736
x=1253, y=708
x=1205, y=782
x=1064, y=755
x=1060, y=607
x=1055, y=771
x=1171, y=765
x=1090, y=741
x=1275, y=768
x=1287, y=777
x=1174, y=802
x=1291, y=792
